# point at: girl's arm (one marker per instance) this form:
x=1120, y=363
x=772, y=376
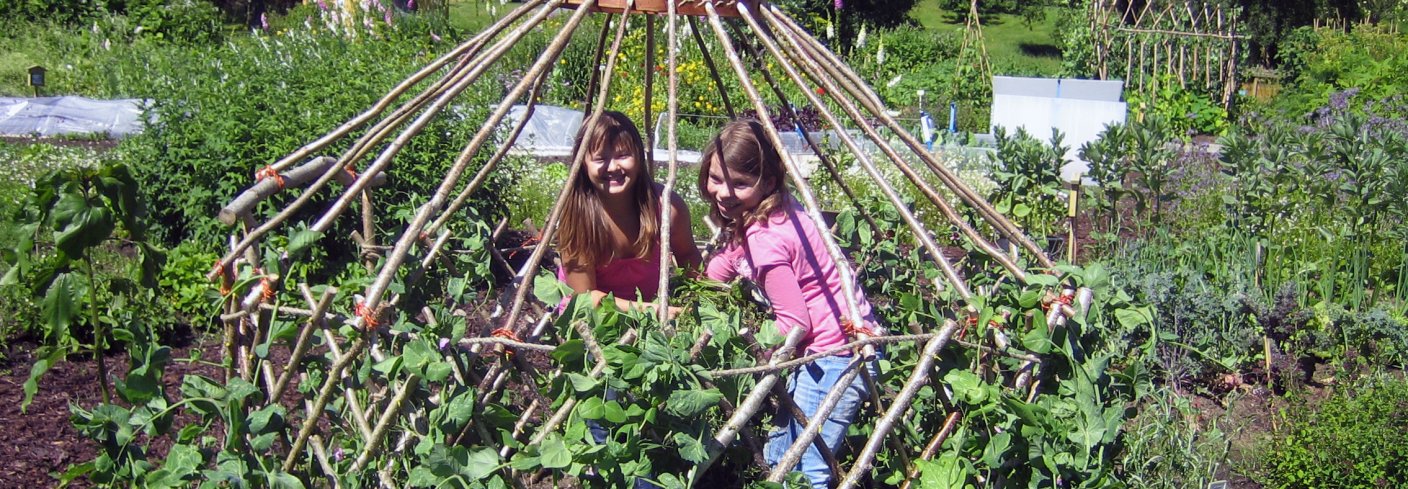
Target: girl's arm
x=779, y=283
x=682, y=237
x=583, y=281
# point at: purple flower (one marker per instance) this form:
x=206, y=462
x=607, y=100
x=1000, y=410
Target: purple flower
x=338, y=454
x=322, y=5
x=444, y=342
x=263, y=21
x=838, y=4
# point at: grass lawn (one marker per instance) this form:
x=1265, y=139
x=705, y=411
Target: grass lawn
x=1013, y=47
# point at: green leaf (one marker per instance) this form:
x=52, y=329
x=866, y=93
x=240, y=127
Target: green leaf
x=581, y=383
x=284, y=480
x=301, y=238
x=613, y=413
x=62, y=303
x=46, y=357
x=267, y=419
x=591, y=408
x=549, y=289
x=481, y=463
x=693, y=402
x=691, y=449
x=997, y=447
x=554, y=453
x=570, y=353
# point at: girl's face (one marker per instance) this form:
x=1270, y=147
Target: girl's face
x=613, y=172
x=735, y=193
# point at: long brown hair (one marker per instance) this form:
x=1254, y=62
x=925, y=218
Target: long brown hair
x=584, y=236
x=742, y=147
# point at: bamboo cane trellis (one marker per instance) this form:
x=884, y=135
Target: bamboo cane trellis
x=1195, y=42
x=383, y=417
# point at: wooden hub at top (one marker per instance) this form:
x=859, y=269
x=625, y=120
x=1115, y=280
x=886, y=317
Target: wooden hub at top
x=725, y=8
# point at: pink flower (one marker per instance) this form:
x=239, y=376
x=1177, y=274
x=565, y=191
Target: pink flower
x=838, y=4
x=322, y=5
x=263, y=21
x=387, y=17
x=411, y=4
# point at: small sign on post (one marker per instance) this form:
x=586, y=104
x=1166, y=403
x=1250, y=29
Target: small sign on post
x=36, y=78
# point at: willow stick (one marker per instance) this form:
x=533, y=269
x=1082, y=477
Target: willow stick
x=480, y=65
x=816, y=68
x=871, y=101
x=843, y=265
x=401, y=88
x=579, y=156
x=588, y=102
x=750, y=405
x=411, y=234
x=713, y=70
x=806, y=136
x=803, y=442
x=950, y=422
x=300, y=346
x=899, y=406
x=672, y=79
x=489, y=166
x=920, y=232
x=322, y=401
x=392, y=410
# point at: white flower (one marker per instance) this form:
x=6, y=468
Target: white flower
x=860, y=39
x=830, y=31
x=880, y=53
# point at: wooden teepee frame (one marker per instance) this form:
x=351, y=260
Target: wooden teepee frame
x=375, y=414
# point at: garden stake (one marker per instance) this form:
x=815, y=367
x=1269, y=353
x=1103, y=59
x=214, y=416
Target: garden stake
x=578, y=159
x=588, y=99
x=901, y=404
x=784, y=402
x=662, y=301
x=805, y=135
x=300, y=346
x=408, y=237
x=489, y=166
x=816, y=66
x=387, y=416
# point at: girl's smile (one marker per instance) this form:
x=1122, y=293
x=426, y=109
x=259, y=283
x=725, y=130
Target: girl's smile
x=734, y=193
x=613, y=175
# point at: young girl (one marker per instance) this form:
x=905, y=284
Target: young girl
x=609, y=238
x=776, y=245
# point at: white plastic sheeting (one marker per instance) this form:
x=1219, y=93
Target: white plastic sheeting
x=1079, y=108
x=54, y=116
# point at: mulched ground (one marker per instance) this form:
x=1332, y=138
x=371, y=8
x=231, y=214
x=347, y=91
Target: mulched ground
x=40, y=443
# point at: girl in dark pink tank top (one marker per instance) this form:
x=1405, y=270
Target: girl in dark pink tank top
x=609, y=238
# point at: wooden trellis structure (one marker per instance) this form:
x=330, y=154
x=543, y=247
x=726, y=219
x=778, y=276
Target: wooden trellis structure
x=1193, y=42
x=384, y=417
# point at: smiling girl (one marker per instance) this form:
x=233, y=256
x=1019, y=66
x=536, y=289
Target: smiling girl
x=773, y=243
x=609, y=239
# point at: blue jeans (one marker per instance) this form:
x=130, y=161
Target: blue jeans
x=808, y=386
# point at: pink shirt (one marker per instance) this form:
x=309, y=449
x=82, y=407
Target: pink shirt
x=786, y=249
x=623, y=277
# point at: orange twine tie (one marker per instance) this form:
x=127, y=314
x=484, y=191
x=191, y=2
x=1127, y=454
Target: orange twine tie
x=368, y=316
x=219, y=270
x=270, y=172
x=350, y=171
x=508, y=334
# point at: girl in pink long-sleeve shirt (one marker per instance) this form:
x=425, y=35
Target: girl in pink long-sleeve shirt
x=773, y=243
